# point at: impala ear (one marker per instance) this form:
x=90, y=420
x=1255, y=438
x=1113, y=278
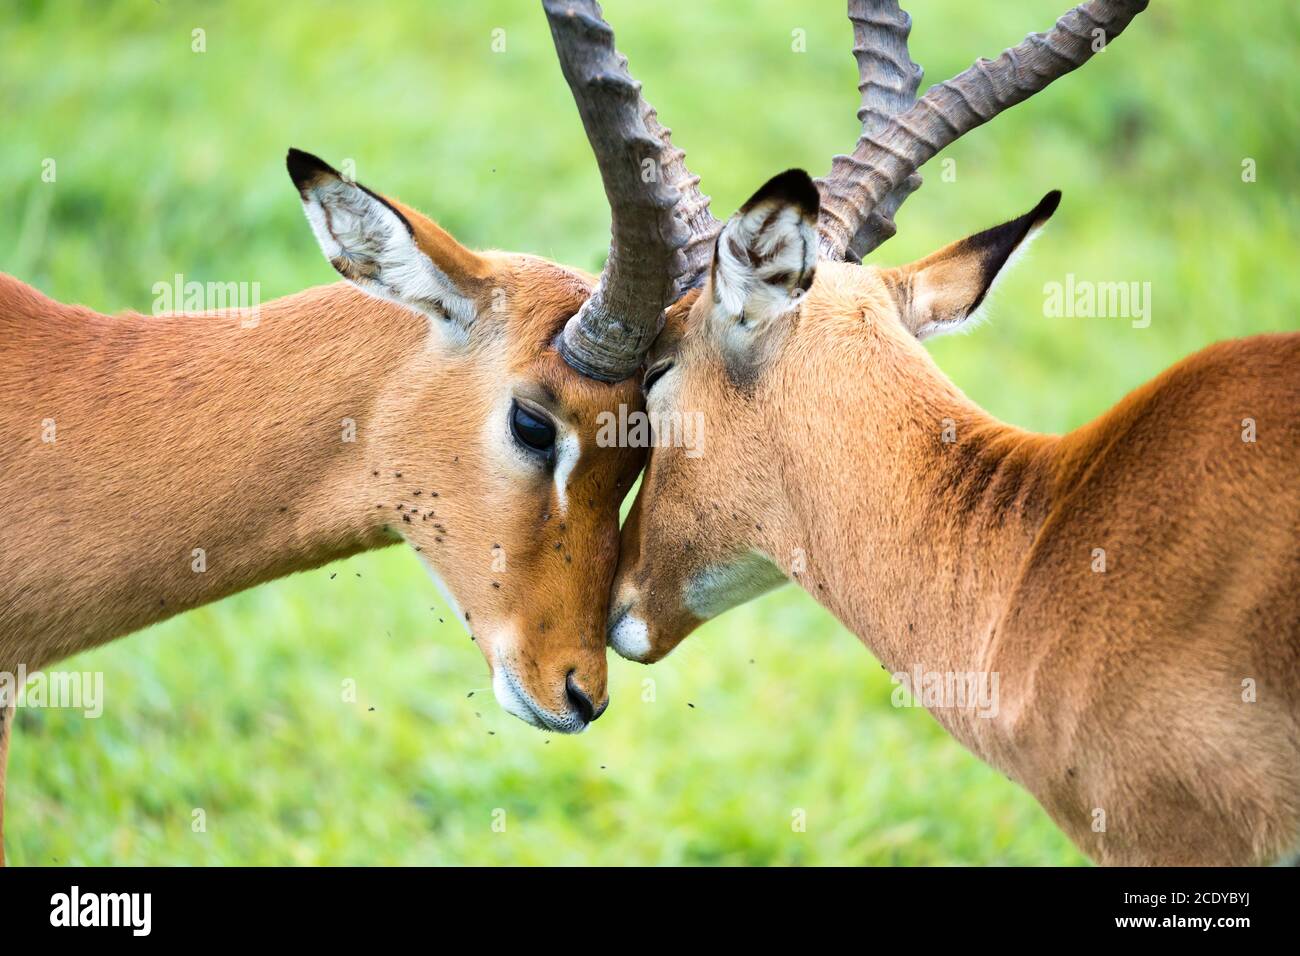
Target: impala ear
x=766, y=254
x=385, y=248
x=945, y=290
x=764, y=260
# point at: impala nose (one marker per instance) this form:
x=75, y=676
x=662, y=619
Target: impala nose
x=581, y=702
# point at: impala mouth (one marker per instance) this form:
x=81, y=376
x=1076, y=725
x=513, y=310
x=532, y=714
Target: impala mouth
x=512, y=697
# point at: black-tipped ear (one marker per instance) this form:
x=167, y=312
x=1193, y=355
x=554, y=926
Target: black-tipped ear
x=1000, y=241
x=794, y=187
x=942, y=291
x=309, y=171
x=304, y=168
x=1045, y=208
x=373, y=243
x=995, y=246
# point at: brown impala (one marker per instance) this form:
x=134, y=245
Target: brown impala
x=440, y=396
x=1129, y=592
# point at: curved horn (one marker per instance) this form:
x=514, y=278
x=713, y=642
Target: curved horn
x=654, y=202
x=692, y=208
x=888, y=81
x=863, y=184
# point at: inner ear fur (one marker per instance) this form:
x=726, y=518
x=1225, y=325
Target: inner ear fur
x=463, y=266
x=765, y=257
x=945, y=289
x=383, y=251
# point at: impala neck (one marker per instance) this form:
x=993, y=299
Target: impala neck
x=917, y=539
x=197, y=456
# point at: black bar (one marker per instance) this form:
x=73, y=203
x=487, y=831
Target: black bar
x=610, y=907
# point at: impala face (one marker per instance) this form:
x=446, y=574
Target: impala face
x=710, y=532
x=505, y=494
x=694, y=544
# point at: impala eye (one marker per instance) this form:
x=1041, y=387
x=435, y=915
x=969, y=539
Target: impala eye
x=532, y=429
x=654, y=375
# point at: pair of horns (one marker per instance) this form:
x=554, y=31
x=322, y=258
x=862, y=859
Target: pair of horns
x=662, y=229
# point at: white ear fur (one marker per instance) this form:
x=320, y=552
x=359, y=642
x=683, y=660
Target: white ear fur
x=764, y=256
x=764, y=261
x=372, y=246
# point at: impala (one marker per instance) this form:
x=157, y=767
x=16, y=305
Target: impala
x=439, y=396
x=1130, y=591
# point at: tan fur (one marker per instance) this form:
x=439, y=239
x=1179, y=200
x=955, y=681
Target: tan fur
x=179, y=432
x=1119, y=691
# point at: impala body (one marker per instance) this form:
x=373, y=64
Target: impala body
x=1131, y=589
x=157, y=463
x=335, y=422
x=1130, y=592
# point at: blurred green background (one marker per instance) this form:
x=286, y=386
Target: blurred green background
x=172, y=161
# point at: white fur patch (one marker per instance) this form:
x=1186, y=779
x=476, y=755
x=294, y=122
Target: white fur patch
x=722, y=587
x=568, y=449
x=371, y=247
x=630, y=638
x=512, y=698
x=741, y=287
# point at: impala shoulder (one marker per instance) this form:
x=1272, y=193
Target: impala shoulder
x=1269, y=360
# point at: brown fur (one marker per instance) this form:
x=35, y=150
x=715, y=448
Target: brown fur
x=1120, y=691
x=187, y=431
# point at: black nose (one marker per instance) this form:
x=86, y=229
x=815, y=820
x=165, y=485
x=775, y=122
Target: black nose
x=580, y=701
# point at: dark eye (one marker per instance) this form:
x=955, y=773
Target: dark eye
x=531, y=429
x=654, y=375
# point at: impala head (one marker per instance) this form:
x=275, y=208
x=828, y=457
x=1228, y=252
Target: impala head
x=706, y=531
x=485, y=455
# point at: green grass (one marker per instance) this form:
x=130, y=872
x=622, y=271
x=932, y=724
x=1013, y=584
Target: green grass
x=170, y=161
